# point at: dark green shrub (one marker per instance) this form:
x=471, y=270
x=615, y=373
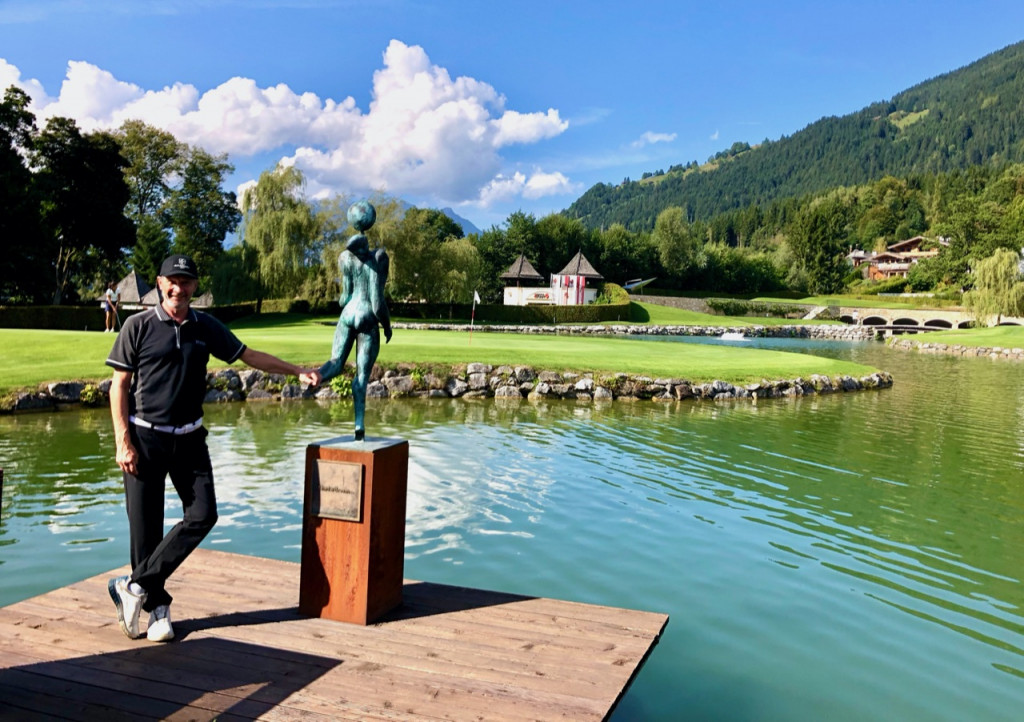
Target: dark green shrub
x=513, y=315
x=738, y=307
x=342, y=385
x=284, y=305
x=91, y=396
x=893, y=285
x=227, y=314
x=64, y=318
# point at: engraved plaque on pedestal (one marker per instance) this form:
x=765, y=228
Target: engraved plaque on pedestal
x=337, y=490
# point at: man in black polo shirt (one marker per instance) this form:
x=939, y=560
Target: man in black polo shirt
x=156, y=401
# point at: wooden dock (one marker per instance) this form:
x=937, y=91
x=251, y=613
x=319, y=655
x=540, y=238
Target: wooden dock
x=244, y=652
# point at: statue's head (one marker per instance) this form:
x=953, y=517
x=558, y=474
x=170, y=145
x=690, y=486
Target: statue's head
x=362, y=215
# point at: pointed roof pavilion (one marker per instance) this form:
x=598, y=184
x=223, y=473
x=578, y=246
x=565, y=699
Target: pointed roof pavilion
x=580, y=266
x=132, y=288
x=521, y=270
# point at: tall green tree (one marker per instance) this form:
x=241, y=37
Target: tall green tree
x=200, y=213
x=998, y=287
x=676, y=244
x=419, y=257
x=461, y=267
x=22, y=265
x=560, y=237
x=153, y=158
x=152, y=246
x=279, y=229
x=971, y=224
x=623, y=254
x=233, y=276
x=819, y=242
x=496, y=255
x=82, y=195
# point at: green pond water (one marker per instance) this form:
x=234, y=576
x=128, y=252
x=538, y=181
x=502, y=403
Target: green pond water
x=848, y=557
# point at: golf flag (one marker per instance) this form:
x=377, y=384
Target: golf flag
x=472, y=315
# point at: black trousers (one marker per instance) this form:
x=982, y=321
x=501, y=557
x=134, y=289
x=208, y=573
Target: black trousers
x=186, y=459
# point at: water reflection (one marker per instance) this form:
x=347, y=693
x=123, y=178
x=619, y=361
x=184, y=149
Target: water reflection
x=837, y=557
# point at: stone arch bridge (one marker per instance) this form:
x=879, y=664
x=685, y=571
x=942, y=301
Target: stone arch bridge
x=906, y=319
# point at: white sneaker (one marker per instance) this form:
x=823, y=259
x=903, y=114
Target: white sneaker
x=160, y=629
x=129, y=605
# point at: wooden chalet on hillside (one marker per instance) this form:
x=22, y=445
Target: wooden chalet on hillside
x=895, y=261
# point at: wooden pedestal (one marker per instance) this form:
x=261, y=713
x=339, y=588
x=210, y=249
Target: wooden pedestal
x=353, y=528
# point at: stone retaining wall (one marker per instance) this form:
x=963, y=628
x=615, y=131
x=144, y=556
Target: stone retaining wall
x=474, y=381
x=689, y=304
x=994, y=352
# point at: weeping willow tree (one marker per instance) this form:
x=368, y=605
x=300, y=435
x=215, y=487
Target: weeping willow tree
x=998, y=288
x=281, y=233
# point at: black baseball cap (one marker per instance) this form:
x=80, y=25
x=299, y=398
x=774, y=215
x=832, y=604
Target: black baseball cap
x=178, y=265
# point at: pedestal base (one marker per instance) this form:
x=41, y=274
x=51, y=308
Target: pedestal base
x=353, y=528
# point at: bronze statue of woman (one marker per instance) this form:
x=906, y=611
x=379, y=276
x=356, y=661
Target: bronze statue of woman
x=363, y=309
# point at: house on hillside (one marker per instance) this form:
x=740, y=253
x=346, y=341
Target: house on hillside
x=895, y=261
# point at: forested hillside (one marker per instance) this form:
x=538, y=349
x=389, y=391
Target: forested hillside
x=968, y=117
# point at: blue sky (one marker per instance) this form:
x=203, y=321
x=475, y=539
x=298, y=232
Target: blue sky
x=484, y=107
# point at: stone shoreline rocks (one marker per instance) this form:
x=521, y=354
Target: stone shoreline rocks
x=840, y=332
x=473, y=381
x=993, y=352
x=477, y=380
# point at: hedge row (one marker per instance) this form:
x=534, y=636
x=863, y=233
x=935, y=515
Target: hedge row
x=72, y=318
x=62, y=318
x=739, y=307
x=87, y=318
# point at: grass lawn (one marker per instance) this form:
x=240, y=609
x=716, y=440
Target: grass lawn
x=1002, y=336
x=867, y=301
x=668, y=316
x=32, y=357
x=652, y=314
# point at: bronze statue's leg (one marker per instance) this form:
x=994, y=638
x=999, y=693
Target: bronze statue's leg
x=344, y=337
x=366, y=354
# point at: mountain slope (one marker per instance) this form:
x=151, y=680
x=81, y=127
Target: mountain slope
x=970, y=116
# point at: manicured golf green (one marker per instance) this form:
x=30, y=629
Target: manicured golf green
x=1002, y=336
x=668, y=316
x=32, y=357
x=866, y=301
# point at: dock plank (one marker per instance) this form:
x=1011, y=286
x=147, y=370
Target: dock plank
x=244, y=652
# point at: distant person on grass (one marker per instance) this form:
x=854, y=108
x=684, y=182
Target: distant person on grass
x=109, y=304
x=156, y=400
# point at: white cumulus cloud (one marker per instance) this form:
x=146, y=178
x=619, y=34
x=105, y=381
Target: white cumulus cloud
x=650, y=138
x=424, y=133
x=10, y=75
x=505, y=188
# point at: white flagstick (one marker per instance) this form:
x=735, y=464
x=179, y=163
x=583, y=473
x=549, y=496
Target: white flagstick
x=472, y=316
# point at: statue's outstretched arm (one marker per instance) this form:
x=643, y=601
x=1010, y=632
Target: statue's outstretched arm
x=380, y=304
